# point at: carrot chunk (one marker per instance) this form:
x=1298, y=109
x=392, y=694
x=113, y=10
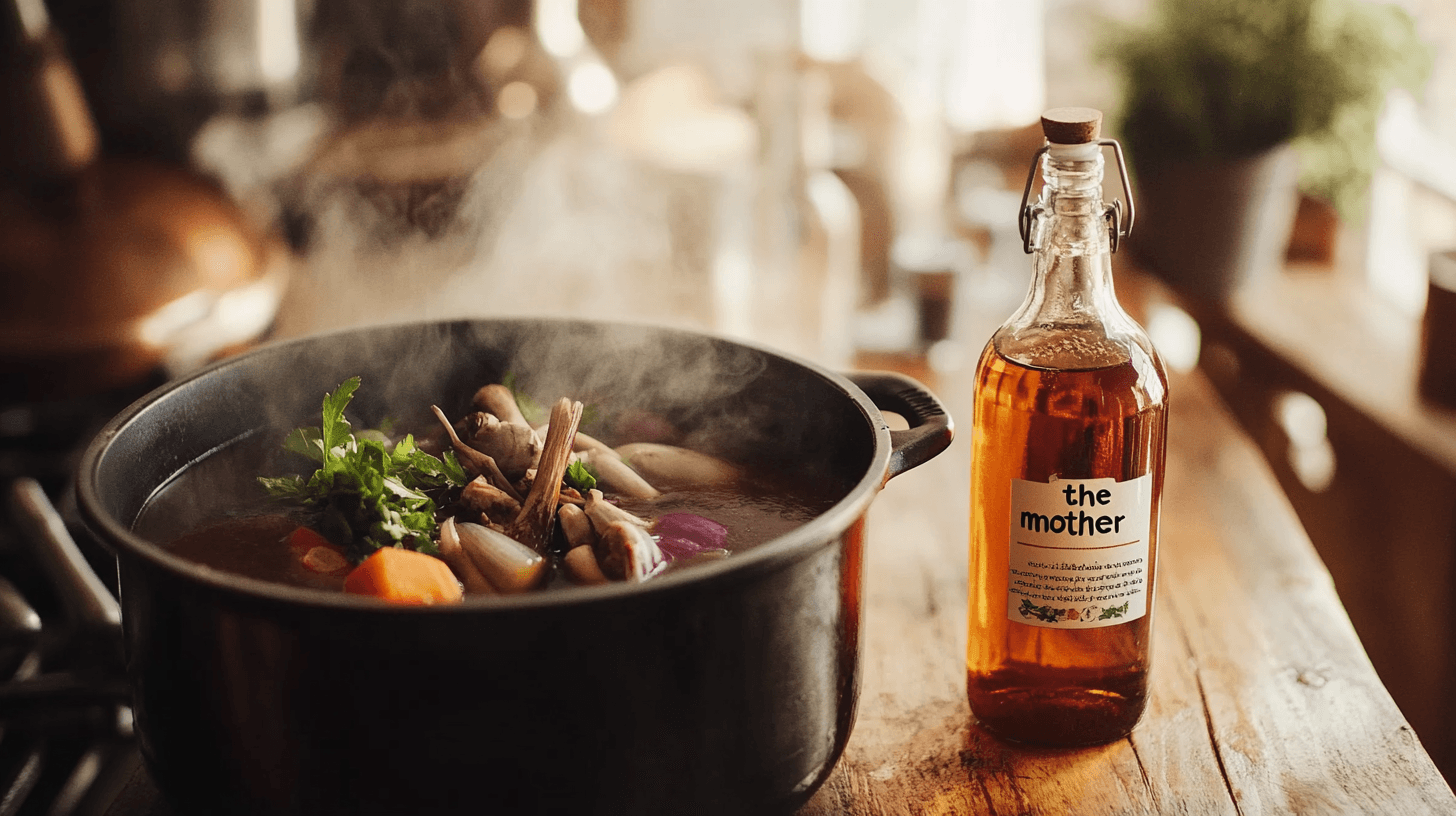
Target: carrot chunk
x=303, y=539
x=404, y=577
x=316, y=553
x=326, y=560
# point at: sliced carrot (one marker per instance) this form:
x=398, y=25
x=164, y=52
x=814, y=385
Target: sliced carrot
x=326, y=560
x=316, y=553
x=304, y=539
x=404, y=577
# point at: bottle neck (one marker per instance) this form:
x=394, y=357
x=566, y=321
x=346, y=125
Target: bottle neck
x=1070, y=238
x=1071, y=287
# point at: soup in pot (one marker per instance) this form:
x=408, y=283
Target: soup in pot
x=490, y=502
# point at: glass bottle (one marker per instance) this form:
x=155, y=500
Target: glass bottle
x=1067, y=473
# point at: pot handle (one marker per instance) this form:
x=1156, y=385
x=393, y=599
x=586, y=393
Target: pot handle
x=931, y=428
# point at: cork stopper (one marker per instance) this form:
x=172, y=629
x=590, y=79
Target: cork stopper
x=1072, y=126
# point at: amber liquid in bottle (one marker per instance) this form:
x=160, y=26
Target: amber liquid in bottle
x=1036, y=684
x=1070, y=401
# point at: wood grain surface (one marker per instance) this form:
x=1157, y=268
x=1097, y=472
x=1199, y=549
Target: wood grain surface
x=1263, y=699
x=1393, y=460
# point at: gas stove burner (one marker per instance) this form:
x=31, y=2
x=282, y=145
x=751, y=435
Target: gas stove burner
x=66, y=744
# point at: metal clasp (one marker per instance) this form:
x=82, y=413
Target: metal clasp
x=1118, y=225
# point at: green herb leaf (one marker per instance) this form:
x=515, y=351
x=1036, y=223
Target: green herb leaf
x=372, y=495
x=580, y=476
x=336, y=429
x=404, y=447
x=307, y=441
x=453, y=470
x=284, y=487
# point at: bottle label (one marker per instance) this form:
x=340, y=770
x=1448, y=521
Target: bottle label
x=1079, y=552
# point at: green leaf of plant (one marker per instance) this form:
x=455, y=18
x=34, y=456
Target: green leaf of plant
x=580, y=476
x=336, y=429
x=307, y=441
x=285, y=487
x=403, y=448
x=398, y=490
x=373, y=494
x=454, y=471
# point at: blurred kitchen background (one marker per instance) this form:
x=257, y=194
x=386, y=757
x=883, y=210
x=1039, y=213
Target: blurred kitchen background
x=840, y=179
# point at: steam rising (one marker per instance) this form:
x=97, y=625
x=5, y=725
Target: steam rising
x=654, y=370
x=558, y=228
x=689, y=380
x=432, y=196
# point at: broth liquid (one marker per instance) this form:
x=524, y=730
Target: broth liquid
x=1030, y=683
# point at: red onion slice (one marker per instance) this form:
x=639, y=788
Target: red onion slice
x=684, y=535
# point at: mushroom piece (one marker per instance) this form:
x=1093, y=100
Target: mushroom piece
x=604, y=514
x=498, y=400
x=473, y=461
x=581, y=564
x=482, y=497
x=672, y=466
x=627, y=552
x=586, y=442
x=515, y=448
x=533, y=525
x=575, y=526
x=452, y=553
x=618, y=475
x=508, y=565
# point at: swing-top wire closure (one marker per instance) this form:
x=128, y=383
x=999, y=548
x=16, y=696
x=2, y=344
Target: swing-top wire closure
x=1118, y=227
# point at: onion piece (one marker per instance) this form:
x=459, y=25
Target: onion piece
x=683, y=536
x=509, y=565
x=681, y=549
x=701, y=531
x=453, y=554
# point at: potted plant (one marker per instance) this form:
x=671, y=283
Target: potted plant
x=1231, y=107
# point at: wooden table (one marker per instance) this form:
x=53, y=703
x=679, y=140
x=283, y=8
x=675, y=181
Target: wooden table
x=1263, y=700
x=1318, y=332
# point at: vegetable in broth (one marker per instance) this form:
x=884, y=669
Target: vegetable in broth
x=490, y=504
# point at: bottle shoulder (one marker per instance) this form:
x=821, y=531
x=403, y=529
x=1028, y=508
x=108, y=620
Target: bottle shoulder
x=1097, y=342
x=1061, y=355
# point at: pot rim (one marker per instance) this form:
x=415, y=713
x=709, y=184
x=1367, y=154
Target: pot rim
x=799, y=542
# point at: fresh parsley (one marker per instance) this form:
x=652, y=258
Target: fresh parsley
x=370, y=494
x=580, y=476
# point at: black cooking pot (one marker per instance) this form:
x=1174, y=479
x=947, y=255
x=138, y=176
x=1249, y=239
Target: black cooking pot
x=726, y=688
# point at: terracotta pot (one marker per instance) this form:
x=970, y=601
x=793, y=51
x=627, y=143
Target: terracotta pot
x=1211, y=227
